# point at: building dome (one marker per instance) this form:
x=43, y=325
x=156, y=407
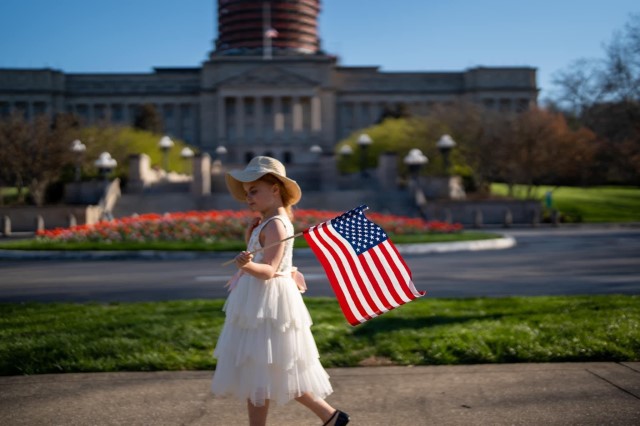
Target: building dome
x=285, y=27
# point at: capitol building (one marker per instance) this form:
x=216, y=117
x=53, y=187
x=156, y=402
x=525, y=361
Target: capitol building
x=267, y=87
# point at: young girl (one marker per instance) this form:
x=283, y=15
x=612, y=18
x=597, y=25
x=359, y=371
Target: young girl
x=265, y=350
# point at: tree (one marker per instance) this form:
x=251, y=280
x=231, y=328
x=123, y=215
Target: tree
x=604, y=95
x=33, y=155
x=147, y=118
x=14, y=135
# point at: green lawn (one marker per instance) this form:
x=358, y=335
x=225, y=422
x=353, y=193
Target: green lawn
x=180, y=335
x=32, y=244
x=597, y=204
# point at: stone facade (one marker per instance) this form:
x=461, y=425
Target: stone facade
x=252, y=104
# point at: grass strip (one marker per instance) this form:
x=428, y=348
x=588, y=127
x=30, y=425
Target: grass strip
x=595, y=204
x=180, y=335
x=33, y=244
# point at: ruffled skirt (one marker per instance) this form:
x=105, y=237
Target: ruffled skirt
x=266, y=349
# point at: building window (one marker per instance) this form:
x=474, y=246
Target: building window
x=505, y=105
x=249, y=119
x=117, y=113
x=230, y=117
x=268, y=119
x=287, y=157
x=39, y=108
x=5, y=109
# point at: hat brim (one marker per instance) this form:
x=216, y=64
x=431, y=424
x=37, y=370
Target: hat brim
x=235, y=178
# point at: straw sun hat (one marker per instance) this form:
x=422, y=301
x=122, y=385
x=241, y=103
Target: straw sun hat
x=258, y=167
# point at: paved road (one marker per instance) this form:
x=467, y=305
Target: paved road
x=592, y=260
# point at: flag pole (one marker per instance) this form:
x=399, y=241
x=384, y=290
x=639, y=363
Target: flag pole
x=266, y=39
x=229, y=262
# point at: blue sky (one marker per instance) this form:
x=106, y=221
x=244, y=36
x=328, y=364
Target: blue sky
x=400, y=35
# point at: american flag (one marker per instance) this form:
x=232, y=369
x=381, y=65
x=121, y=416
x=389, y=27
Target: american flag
x=368, y=275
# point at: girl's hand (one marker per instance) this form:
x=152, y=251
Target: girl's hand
x=243, y=259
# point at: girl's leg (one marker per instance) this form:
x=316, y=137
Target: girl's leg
x=319, y=406
x=258, y=415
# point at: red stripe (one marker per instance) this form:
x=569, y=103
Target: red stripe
x=406, y=267
x=328, y=268
x=393, y=247
x=407, y=291
x=354, y=297
x=386, y=277
x=378, y=285
x=360, y=280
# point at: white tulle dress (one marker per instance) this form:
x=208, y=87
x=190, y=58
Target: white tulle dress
x=265, y=349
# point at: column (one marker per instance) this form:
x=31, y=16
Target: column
x=179, y=124
x=239, y=117
x=316, y=114
x=222, y=116
x=91, y=113
x=297, y=115
x=278, y=116
x=259, y=121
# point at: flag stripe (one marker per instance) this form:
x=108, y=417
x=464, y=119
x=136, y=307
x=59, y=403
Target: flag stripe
x=350, y=281
x=375, y=278
x=406, y=271
x=383, y=266
x=359, y=278
x=328, y=263
x=396, y=271
x=382, y=277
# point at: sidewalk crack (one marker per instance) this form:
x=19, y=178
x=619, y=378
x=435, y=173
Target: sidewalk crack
x=613, y=384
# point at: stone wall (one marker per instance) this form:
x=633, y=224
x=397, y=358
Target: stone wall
x=24, y=218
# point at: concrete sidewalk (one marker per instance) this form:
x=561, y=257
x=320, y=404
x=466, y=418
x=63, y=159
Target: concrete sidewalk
x=504, y=394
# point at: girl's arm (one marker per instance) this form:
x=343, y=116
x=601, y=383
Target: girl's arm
x=274, y=231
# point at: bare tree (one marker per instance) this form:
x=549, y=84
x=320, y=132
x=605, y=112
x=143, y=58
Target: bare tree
x=14, y=136
x=34, y=154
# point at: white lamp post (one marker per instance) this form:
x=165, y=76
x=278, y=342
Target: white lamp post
x=165, y=145
x=186, y=154
x=221, y=151
x=316, y=151
x=364, y=141
x=78, y=148
x=414, y=160
x=445, y=144
x=105, y=164
x=345, y=150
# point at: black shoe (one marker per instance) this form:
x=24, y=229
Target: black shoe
x=341, y=420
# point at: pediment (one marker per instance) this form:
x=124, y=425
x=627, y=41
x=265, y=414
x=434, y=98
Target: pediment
x=267, y=76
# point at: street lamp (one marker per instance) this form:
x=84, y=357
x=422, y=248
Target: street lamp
x=78, y=148
x=105, y=163
x=165, y=145
x=364, y=140
x=221, y=151
x=345, y=150
x=414, y=160
x=186, y=154
x=445, y=144
x=316, y=151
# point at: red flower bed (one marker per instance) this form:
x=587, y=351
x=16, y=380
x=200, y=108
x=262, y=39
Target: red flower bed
x=218, y=226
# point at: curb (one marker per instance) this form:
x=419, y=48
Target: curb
x=423, y=248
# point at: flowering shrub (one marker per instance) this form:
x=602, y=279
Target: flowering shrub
x=217, y=226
